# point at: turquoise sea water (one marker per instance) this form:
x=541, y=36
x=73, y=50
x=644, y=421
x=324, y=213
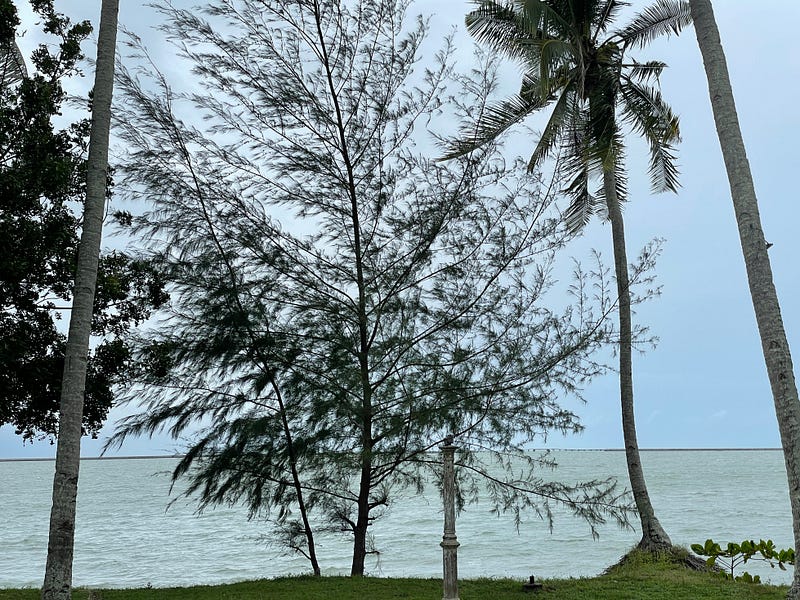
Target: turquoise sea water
x=127, y=537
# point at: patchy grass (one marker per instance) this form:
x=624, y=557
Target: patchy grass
x=639, y=577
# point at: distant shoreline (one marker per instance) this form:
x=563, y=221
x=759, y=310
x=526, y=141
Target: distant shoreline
x=152, y=456
x=669, y=449
x=142, y=457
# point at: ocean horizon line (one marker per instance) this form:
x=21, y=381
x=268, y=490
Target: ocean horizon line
x=155, y=456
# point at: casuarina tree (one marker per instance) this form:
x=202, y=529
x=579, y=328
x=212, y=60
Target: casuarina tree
x=777, y=355
x=577, y=66
x=340, y=300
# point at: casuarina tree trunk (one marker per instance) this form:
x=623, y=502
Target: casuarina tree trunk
x=360, y=539
x=365, y=480
x=654, y=537
x=58, y=572
x=754, y=247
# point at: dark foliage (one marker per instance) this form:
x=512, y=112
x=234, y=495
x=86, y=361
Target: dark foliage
x=42, y=181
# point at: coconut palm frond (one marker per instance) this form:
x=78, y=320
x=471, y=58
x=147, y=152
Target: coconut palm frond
x=533, y=89
x=583, y=206
x=549, y=19
x=494, y=121
x=500, y=27
x=665, y=17
x=12, y=65
x=620, y=173
x=560, y=120
x=646, y=71
x=663, y=168
x=605, y=15
x=555, y=59
x=644, y=109
x=516, y=32
x=574, y=167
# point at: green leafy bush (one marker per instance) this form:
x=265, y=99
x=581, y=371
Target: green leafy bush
x=735, y=555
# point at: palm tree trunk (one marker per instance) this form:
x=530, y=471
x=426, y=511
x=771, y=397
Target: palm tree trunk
x=58, y=572
x=754, y=247
x=654, y=538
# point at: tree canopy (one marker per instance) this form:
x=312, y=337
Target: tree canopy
x=42, y=187
x=340, y=300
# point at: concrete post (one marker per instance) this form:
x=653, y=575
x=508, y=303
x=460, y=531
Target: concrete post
x=449, y=542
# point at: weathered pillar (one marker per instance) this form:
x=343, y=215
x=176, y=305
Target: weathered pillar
x=449, y=542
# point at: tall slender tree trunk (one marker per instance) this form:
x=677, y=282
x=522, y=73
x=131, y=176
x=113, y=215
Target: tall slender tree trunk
x=654, y=537
x=777, y=356
x=362, y=522
x=298, y=488
x=366, y=417
x=58, y=572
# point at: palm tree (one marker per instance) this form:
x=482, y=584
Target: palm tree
x=754, y=247
x=58, y=572
x=575, y=62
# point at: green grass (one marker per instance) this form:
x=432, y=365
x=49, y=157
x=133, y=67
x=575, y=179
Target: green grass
x=640, y=578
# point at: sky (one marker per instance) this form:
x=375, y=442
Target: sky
x=705, y=384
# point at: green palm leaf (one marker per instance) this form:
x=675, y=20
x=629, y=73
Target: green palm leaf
x=647, y=71
x=562, y=118
x=577, y=168
x=500, y=27
x=492, y=123
x=665, y=17
x=549, y=17
x=645, y=110
x=606, y=15
x=583, y=205
x=555, y=58
x=12, y=65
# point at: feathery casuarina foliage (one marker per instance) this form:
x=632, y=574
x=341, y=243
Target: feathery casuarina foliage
x=340, y=300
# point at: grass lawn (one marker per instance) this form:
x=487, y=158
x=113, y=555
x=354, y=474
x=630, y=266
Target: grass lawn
x=639, y=579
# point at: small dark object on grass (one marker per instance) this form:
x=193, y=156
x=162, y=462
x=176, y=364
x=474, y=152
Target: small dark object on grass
x=531, y=585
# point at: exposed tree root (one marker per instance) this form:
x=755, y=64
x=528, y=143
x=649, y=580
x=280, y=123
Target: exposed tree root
x=674, y=554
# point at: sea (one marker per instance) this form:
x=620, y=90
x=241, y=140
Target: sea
x=132, y=532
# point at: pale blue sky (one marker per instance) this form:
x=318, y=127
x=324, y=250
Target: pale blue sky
x=705, y=384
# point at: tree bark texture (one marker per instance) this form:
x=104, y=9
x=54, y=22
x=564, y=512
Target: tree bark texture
x=774, y=345
x=58, y=572
x=654, y=537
